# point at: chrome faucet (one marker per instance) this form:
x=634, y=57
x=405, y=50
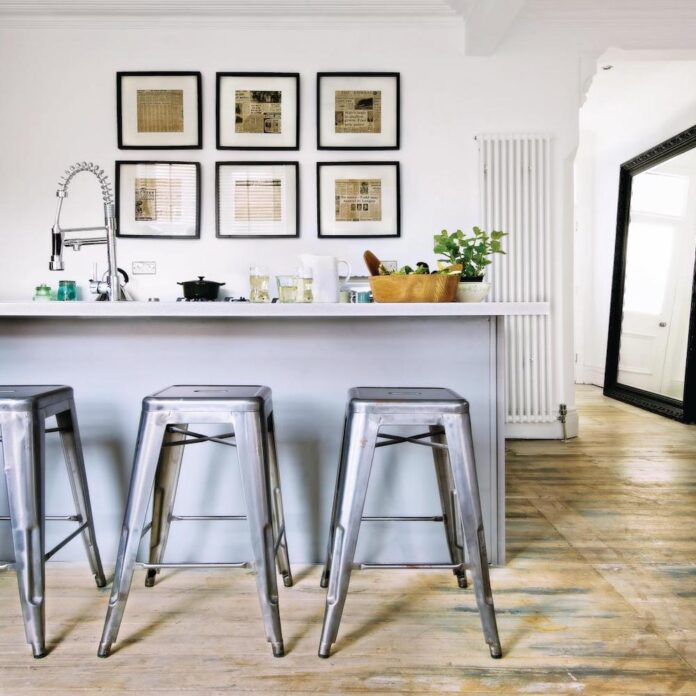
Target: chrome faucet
x=111, y=288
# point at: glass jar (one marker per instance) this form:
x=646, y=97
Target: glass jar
x=42, y=293
x=67, y=291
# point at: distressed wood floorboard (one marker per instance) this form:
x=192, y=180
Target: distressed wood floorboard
x=598, y=597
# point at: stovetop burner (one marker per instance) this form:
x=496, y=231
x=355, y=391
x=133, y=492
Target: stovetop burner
x=224, y=299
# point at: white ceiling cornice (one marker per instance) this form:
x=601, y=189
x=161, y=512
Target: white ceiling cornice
x=229, y=8
x=226, y=13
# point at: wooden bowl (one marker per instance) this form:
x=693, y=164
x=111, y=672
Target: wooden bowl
x=414, y=288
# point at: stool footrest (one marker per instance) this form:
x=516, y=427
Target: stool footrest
x=243, y=564
x=402, y=518
x=51, y=518
x=412, y=566
x=188, y=518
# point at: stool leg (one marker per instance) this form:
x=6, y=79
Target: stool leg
x=250, y=434
x=75, y=463
x=449, y=510
x=166, y=481
x=150, y=435
x=461, y=455
x=324, y=582
x=23, y=447
x=277, y=515
x=362, y=432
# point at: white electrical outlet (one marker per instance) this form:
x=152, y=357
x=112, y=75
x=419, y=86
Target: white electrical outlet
x=144, y=268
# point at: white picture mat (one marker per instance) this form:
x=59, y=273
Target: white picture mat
x=327, y=126
x=327, y=190
x=287, y=86
x=128, y=225
x=130, y=84
x=285, y=227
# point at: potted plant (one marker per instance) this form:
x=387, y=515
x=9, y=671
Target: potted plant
x=473, y=253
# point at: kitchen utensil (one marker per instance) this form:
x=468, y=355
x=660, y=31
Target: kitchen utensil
x=372, y=263
x=326, y=276
x=414, y=288
x=200, y=289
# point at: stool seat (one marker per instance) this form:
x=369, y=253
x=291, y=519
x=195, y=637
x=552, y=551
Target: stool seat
x=405, y=399
x=32, y=397
x=23, y=413
x=246, y=414
x=224, y=397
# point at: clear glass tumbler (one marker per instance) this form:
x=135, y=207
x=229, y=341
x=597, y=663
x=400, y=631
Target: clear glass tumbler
x=258, y=284
x=304, y=285
x=287, y=288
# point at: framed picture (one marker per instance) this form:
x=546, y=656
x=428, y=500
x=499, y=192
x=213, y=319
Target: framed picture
x=158, y=200
x=358, y=199
x=258, y=111
x=257, y=199
x=159, y=110
x=358, y=111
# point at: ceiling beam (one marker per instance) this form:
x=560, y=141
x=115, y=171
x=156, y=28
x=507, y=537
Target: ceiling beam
x=487, y=22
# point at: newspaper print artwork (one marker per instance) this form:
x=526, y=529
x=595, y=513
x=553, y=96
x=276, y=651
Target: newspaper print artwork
x=160, y=110
x=358, y=111
x=258, y=200
x=257, y=111
x=158, y=200
x=358, y=200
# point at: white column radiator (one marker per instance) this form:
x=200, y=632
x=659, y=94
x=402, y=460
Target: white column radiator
x=514, y=178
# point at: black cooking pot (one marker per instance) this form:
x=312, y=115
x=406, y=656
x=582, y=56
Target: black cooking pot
x=200, y=289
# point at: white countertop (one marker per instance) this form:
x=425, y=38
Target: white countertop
x=241, y=310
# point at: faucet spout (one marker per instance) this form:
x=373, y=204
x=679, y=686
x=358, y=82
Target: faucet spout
x=56, y=262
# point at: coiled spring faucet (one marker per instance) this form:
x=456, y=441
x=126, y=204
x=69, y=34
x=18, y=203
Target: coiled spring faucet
x=110, y=288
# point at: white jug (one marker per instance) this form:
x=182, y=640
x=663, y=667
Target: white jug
x=325, y=274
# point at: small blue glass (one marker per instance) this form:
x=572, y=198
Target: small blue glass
x=67, y=291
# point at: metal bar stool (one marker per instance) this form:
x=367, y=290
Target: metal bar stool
x=164, y=431
x=23, y=414
x=446, y=414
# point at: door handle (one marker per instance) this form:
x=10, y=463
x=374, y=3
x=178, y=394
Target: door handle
x=662, y=324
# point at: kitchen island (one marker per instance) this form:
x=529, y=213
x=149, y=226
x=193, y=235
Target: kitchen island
x=114, y=354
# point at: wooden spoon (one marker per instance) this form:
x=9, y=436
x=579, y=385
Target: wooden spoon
x=372, y=263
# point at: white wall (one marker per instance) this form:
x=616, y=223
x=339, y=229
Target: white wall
x=59, y=106
x=629, y=109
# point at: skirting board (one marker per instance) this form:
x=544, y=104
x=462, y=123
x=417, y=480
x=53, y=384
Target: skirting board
x=543, y=431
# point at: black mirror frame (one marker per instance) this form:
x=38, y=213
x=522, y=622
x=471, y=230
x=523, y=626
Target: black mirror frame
x=679, y=410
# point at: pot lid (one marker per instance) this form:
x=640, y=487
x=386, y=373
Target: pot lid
x=200, y=281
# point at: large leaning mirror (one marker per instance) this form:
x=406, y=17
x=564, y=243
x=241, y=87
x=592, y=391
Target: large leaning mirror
x=651, y=349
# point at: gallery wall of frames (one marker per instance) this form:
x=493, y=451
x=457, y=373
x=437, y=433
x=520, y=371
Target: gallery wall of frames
x=257, y=111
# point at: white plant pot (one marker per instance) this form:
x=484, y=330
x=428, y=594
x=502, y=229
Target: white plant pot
x=472, y=292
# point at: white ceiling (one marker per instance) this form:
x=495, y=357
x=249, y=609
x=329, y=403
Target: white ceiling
x=485, y=23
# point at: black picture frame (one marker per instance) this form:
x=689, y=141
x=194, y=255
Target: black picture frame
x=684, y=410
x=254, y=163
x=220, y=76
x=117, y=200
x=119, y=109
x=358, y=75
x=395, y=164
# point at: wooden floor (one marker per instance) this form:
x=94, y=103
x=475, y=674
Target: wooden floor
x=598, y=597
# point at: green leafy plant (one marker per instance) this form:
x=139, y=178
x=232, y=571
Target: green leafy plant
x=473, y=253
